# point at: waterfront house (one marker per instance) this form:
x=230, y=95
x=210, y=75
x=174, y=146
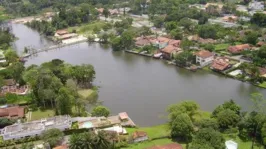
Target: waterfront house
x=204, y=57
x=238, y=48
x=262, y=72
x=139, y=136
x=142, y=41
x=201, y=40
x=169, y=50
x=220, y=64
x=61, y=32
x=10, y=86
x=167, y=146
x=12, y=112
x=29, y=129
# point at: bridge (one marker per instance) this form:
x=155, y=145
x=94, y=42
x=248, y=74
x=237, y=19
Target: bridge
x=33, y=51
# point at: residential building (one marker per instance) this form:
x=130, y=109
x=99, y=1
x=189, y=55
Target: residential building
x=204, y=58
x=139, y=136
x=142, y=41
x=12, y=112
x=231, y=19
x=262, y=72
x=231, y=144
x=238, y=48
x=220, y=64
x=256, y=6
x=12, y=87
x=35, y=128
x=61, y=32
x=260, y=43
x=169, y=50
x=167, y=146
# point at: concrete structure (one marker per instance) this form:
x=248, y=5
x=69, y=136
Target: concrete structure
x=231, y=144
x=256, y=6
x=204, y=58
x=34, y=128
x=139, y=136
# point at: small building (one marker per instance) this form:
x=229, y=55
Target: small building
x=12, y=112
x=142, y=41
x=61, y=32
x=204, y=57
x=231, y=19
x=256, y=6
x=139, y=136
x=262, y=72
x=220, y=64
x=61, y=147
x=167, y=146
x=10, y=86
x=169, y=50
x=260, y=43
x=231, y=144
x=238, y=48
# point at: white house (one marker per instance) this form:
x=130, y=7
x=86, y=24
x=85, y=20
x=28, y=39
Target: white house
x=204, y=58
x=139, y=136
x=231, y=144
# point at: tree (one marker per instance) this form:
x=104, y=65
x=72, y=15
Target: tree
x=106, y=13
x=17, y=68
x=251, y=38
x=231, y=105
x=116, y=44
x=83, y=74
x=208, y=123
x=100, y=111
x=52, y=136
x=176, y=34
x=5, y=122
x=11, y=56
x=208, y=138
x=63, y=101
x=89, y=140
x=187, y=24
x=227, y=118
x=184, y=59
x=188, y=107
x=181, y=127
x=170, y=25
x=207, y=31
x=263, y=133
x=186, y=44
x=127, y=39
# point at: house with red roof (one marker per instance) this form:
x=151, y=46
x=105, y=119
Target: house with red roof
x=139, y=136
x=220, y=64
x=167, y=146
x=238, y=48
x=204, y=57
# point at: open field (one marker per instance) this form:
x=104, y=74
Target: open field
x=39, y=114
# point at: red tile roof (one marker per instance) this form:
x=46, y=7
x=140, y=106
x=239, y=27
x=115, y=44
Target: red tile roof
x=15, y=111
x=170, y=48
x=220, y=63
x=167, y=146
x=139, y=134
x=261, y=43
x=204, y=54
x=61, y=147
x=175, y=42
x=238, y=48
x=262, y=71
x=62, y=32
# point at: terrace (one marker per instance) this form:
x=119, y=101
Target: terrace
x=20, y=130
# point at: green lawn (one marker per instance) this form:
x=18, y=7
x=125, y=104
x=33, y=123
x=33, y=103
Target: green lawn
x=221, y=47
x=36, y=115
x=242, y=144
x=85, y=92
x=263, y=84
x=153, y=132
x=87, y=29
x=147, y=144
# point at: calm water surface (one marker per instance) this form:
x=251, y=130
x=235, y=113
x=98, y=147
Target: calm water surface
x=141, y=86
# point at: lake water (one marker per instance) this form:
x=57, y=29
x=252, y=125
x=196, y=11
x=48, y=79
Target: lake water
x=141, y=86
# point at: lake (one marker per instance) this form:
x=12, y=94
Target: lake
x=141, y=86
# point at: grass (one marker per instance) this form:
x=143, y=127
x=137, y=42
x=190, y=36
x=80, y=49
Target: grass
x=87, y=29
x=39, y=114
x=147, y=144
x=242, y=144
x=221, y=47
x=153, y=132
x=85, y=92
x=263, y=84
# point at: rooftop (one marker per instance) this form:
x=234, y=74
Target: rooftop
x=16, y=112
x=238, y=48
x=167, y=146
x=139, y=134
x=220, y=63
x=204, y=54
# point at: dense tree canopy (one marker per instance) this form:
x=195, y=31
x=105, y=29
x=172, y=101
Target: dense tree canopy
x=100, y=111
x=52, y=136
